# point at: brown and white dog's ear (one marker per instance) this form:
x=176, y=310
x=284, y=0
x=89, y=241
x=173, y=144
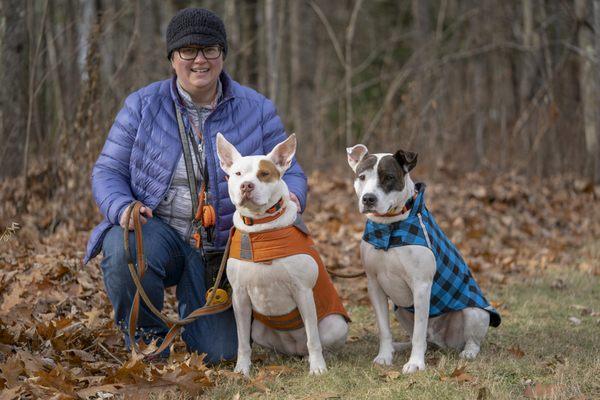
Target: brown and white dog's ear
x=356, y=154
x=406, y=159
x=227, y=153
x=283, y=153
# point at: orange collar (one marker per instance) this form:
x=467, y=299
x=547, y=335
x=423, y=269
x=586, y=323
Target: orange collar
x=407, y=206
x=277, y=210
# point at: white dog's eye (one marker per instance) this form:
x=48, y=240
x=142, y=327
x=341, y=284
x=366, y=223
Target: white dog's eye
x=361, y=177
x=238, y=173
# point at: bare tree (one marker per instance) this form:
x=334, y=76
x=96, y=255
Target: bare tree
x=14, y=82
x=588, y=88
x=271, y=49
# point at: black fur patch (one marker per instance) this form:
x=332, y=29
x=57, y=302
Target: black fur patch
x=390, y=174
x=368, y=162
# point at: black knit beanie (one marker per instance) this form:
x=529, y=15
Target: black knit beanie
x=195, y=26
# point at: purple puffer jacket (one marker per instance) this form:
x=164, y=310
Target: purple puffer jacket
x=143, y=148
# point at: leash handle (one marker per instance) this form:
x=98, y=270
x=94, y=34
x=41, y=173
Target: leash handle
x=137, y=275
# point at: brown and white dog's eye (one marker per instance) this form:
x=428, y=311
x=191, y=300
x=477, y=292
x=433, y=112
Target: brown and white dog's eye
x=238, y=173
x=263, y=174
x=361, y=177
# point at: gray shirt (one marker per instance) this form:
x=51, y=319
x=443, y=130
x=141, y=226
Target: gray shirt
x=176, y=206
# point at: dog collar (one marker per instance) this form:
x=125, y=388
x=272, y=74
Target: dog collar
x=407, y=206
x=276, y=210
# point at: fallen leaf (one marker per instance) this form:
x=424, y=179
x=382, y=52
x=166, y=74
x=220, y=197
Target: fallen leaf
x=460, y=375
x=11, y=394
x=516, y=351
x=99, y=390
x=390, y=374
x=11, y=370
x=540, y=391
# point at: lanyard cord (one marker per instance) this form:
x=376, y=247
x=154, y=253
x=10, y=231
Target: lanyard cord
x=186, y=139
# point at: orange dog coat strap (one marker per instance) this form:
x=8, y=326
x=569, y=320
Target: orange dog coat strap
x=287, y=322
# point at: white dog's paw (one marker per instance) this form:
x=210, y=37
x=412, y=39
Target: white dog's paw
x=317, y=365
x=470, y=351
x=384, y=358
x=242, y=367
x=317, y=370
x=412, y=366
x=469, y=354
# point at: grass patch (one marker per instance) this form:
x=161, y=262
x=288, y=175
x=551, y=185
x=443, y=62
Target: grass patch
x=536, y=344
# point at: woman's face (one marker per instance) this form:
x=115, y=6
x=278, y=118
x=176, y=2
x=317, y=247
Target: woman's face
x=199, y=75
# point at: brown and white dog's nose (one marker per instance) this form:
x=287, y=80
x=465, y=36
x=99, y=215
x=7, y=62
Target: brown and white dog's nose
x=247, y=187
x=369, y=199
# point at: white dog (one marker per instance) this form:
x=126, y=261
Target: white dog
x=273, y=267
x=409, y=260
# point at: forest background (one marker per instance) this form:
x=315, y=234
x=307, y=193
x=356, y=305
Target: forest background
x=501, y=99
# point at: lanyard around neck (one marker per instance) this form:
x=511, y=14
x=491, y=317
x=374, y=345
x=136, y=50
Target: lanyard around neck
x=187, y=139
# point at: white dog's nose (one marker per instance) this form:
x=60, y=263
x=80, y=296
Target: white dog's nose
x=369, y=199
x=247, y=187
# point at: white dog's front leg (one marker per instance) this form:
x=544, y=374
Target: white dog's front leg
x=421, y=295
x=380, y=305
x=242, y=309
x=306, y=305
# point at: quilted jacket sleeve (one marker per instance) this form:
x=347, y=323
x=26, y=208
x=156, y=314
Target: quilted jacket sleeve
x=274, y=133
x=110, y=176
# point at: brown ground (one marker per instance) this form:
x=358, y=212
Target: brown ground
x=56, y=335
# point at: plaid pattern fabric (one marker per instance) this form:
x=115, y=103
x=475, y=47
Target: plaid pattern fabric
x=453, y=286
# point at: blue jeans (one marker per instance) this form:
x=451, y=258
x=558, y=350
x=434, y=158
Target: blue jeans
x=169, y=261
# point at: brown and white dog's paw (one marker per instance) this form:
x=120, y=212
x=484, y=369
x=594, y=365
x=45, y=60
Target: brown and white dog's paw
x=413, y=366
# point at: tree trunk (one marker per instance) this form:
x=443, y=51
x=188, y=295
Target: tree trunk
x=587, y=87
x=13, y=77
x=422, y=88
x=271, y=40
x=596, y=157
x=232, y=25
x=303, y=71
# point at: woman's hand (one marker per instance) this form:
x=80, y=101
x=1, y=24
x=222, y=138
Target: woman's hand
x=145, y=213
x=295, y=200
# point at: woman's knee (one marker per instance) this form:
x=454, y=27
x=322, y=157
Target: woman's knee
x=157, y=255
x=113, y=251
x=215, y=336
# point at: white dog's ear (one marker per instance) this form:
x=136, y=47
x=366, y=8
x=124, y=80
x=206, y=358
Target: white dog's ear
x=226, y=152
x=283, y=153
x=356, y=154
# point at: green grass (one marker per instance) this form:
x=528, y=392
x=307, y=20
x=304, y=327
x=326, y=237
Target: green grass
x=535, y=319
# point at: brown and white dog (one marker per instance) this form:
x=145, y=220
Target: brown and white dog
x=405, y=273
x=278, y=286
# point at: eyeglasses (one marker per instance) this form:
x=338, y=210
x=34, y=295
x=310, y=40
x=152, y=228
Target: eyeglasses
x=190, y=53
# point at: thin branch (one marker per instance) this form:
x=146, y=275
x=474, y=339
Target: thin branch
x=330, y=32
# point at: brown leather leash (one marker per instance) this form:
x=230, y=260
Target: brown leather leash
x=347, y=276
x=137, y=275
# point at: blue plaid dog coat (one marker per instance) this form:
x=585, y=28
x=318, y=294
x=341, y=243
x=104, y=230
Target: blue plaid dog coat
x=453, y=286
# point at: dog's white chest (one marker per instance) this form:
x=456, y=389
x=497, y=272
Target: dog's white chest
x=398, y=270
x=271, y=286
